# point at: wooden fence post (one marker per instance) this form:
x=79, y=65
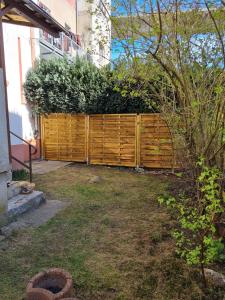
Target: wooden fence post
x=87, y=119
x=42, y=138
x=138, y=141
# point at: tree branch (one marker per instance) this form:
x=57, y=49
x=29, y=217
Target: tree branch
x=218, y=32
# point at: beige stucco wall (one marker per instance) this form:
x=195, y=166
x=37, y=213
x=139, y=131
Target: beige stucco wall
x=18, y=61
x=63, y=12
x=95, y=29
x=84, y=28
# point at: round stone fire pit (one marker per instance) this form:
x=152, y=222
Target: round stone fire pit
x=54, y=284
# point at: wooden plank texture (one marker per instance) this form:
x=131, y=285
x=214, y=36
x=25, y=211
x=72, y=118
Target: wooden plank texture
x=64, y=137
x=112, y=140
x=155, y=142
x=118, y=139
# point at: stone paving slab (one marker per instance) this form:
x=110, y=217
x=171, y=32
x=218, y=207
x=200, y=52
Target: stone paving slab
x=45, y=166
x=36, y=217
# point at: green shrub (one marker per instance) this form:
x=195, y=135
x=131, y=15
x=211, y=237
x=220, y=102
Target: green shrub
x=58, y=85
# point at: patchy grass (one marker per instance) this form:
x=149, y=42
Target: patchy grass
x=113, y=238
x=18, y=175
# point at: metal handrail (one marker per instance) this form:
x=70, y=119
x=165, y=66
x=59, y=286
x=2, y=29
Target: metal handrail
x=29, y=166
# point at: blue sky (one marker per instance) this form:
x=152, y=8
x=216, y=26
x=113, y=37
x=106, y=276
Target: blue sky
x=117, y=49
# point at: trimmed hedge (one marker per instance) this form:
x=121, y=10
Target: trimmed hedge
x=58, y=85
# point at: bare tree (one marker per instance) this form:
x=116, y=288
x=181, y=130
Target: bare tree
x=186, y=39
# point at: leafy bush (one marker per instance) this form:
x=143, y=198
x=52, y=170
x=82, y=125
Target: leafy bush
x=119, y=96
x=58, y=85
x=141, y=80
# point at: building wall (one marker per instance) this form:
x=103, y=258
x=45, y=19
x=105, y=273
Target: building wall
x=84, y=25
x=95, y=29
x=63, y=11
x=23, y=46
x=18, y=62
x=101, y=37
x=19, y=59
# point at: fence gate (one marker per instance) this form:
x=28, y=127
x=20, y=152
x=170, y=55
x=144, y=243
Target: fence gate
x=116, y=139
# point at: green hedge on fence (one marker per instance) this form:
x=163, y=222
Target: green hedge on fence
x=58, y=85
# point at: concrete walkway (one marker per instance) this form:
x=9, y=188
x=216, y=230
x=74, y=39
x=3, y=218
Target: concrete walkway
x=36, y=217
x=44, y=166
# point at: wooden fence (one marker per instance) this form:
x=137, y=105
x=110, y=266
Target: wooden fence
x=118, y=139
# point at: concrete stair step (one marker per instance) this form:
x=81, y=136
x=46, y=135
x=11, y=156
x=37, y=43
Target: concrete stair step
x=15, y=187
x=20, y=204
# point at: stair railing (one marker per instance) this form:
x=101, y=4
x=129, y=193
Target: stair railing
x=31, y=147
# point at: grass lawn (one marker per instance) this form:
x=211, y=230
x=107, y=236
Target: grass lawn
x=113, y=238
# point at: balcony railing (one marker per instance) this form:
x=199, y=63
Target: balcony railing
x=64, y=45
